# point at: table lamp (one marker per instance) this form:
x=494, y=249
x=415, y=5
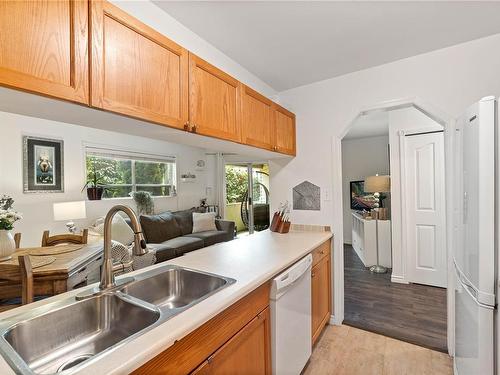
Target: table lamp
x=377, y=184
x=70, y=211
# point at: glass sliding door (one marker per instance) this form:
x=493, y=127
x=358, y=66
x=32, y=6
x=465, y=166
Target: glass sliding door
x=247, y=196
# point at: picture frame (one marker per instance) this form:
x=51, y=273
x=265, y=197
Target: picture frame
x=43, y=165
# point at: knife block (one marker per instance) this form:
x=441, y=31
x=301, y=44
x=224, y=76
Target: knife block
x=278, y=225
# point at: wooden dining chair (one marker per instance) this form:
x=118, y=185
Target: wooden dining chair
x=17, y=240
x=64, y=239
x=19, y=273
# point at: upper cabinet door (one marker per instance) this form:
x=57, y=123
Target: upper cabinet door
x=257, y=128
x=137, y=71
x=214, y=98
x=284, y=123
x=44, y=47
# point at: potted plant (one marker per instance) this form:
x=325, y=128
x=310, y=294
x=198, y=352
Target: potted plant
x=7, y=219
x=94, y=185
x=144, y=202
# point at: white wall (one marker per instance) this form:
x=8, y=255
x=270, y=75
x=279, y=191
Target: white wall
x=37, y=207
x=409, y=120
x=361, y=157
x=158, y=19
x=450, y=79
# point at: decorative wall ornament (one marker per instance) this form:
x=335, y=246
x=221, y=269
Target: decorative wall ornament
x=43, y=165
x=307, y=196
x=200, y=165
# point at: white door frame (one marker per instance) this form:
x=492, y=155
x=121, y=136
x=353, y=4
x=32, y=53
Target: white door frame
x=448, y=124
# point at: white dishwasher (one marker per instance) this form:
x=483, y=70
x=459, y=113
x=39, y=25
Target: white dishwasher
x=291, y=318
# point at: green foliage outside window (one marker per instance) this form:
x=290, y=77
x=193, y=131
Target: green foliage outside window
x=236, y=183
x=120, y=177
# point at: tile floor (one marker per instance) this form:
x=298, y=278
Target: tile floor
x=344, y=350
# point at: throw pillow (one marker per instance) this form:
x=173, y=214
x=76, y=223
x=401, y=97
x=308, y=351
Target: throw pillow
x=159, y=228
x=203, y=222
x=120, y=230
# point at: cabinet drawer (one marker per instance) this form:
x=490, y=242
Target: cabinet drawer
x=320, y=252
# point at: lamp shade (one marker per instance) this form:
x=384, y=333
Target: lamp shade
x=69, y=211
x=377, y=184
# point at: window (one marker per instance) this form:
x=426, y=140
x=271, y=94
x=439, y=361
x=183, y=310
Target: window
x=121, y=173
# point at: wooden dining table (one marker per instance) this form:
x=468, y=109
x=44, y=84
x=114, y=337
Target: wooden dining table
x=56, y=269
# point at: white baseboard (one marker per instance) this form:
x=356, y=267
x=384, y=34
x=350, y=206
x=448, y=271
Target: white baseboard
x=333, y=321
x=398, y=279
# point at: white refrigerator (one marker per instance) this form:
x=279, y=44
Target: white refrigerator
x=474, y=244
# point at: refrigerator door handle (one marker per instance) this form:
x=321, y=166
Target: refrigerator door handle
x=485, y=299
x=472, y=293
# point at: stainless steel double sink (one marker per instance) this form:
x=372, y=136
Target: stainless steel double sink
x=64, y=336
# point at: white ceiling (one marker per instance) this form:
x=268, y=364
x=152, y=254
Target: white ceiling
x=293, y=43
x=374, y=124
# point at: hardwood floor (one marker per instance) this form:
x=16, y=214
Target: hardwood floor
x=344, y=350
x=409, y=312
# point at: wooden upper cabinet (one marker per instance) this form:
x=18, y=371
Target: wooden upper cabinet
x=214, y=101
x=136, y=71
x=257, y=124
x=44, y=47
x=284, y=125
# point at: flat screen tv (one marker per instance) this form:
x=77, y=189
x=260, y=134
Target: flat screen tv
x=359, y=199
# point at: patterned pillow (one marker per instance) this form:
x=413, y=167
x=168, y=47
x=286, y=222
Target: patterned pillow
x=120, y=230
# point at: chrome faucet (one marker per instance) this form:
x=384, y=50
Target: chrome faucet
x=108, y=269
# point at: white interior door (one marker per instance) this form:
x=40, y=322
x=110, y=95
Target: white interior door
x=424, y=209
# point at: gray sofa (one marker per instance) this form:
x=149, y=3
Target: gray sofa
x=170, y=233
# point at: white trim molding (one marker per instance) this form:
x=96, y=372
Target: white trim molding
x=337, y=222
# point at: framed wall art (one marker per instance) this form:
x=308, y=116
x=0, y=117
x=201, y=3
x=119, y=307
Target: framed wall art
x=43, y=165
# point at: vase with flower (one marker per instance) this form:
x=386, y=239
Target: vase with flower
x=7, y=219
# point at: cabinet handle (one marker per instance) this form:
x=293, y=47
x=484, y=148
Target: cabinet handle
x=210, y=359
x=193, y=128
x=313, y=274
x=322, y=252
x=186, y=126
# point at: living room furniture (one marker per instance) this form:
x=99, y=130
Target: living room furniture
x=61, y=239
x=72, y=267
x=170, y=233
x=20, y=274
x=364, y=240
x=17, y=240
x=69, y=211
x=377, y=184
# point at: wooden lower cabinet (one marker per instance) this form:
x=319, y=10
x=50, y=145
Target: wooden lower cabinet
x=247, y=352
x=320, y=289
x=236, y=341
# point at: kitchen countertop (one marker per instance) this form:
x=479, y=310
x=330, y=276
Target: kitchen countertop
x=251, y=260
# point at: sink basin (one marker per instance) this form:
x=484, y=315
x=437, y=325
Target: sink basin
x=176, y=287
x=65, y=337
